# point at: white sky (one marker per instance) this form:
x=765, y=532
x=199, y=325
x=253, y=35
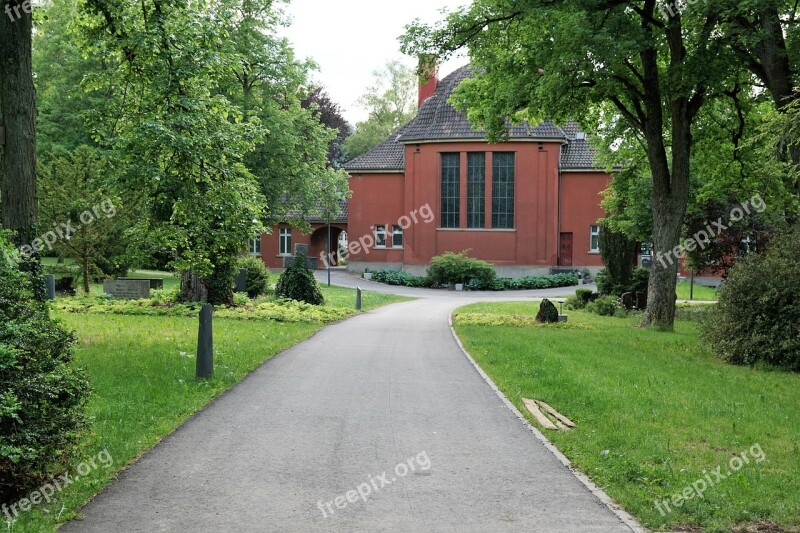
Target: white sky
x=350, y=39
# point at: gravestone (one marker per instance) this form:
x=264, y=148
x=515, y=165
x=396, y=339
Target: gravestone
x=155, y=283
x=241, y=281
x=641, y=300
x=127, y=289
x=629, y=300
x=50, y=282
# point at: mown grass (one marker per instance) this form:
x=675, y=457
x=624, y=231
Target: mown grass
x=141, y=370
x=655, y=412
x=701, y=292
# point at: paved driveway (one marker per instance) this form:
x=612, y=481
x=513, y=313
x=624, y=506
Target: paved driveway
x=377, y=423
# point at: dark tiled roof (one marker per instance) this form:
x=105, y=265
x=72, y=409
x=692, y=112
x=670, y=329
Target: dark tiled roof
x=316, y=215
x=438, y=120
x=389, y=155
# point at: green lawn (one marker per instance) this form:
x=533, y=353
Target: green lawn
x=700, y=292
x=144, y=387
x=656, y=412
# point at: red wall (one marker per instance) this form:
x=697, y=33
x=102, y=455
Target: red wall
x=376, y=199
x=580, y=209
x=533, y=241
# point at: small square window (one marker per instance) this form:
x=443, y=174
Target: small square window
x=380, y=236
x=397, y=237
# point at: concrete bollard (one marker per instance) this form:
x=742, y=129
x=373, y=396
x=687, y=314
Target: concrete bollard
x=358, y=298
x=50, y=283
x=205, y=345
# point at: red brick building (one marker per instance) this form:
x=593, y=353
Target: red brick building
x=526, y=205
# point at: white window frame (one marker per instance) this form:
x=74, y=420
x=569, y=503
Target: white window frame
x=380, y=233
x=285, y=242
x=594, y=233
x=397, y=231
x=254, y=245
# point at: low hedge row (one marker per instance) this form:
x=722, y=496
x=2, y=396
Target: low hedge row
x=393, y=277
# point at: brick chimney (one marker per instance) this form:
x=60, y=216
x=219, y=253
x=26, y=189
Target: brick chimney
x=429, y=79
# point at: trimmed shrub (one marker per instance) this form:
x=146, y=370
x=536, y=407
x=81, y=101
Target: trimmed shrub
x=298, y=283
x=42, y=396
x=548, y=314
x=582, y=298
x=451, y=268
x=395, y=277
x=758, y=315
x=606, y=306
x=257, y=276
x=637, y=282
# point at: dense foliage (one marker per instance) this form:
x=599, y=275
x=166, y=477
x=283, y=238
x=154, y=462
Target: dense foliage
x=298, y=283
x=758, y=315
x=394, y=277
x=619, y=255
x=548, y=314
x=450, y=268
x=257, y=276
x=637, y=282
x=42, y=394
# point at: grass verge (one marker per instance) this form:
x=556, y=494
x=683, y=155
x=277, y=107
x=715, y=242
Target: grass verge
x=701, y=292
x=144, y=387
x=655, y=412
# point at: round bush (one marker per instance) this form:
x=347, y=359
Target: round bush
x=257, y=276
x=298, y=283
x=451, y=268
x=758, y=315
x=548, y=314
x=42, y=395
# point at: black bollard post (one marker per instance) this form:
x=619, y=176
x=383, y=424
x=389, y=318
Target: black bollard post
x=205, y=345
x=358, y=298
x=50, y=283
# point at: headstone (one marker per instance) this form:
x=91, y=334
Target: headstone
x=641, y=300
x=629, y=300
x=301, y=249
x=127, y=289
x=156, y=284
x=548, y=314
x=562, y=319
x=241, y=280
x=205, y=345
x=50, y=282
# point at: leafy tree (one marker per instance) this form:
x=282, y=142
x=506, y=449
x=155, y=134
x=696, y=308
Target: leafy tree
x=613, y=63
x=391, y=102
x=174, y=136
x=83, y=213
x=619, y=254
x=257, y=276
x=329, y=114
x=290, y=161
x=59, y=67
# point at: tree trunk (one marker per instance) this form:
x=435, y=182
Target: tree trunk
x=85, y=258
x=193, y=288
x=18, y=202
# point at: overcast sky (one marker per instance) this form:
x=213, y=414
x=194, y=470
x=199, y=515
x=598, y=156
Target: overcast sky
x=350, y=39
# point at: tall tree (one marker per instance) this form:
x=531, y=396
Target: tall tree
x=18, y=144
x=329, y=114
x=391, y=102
x=174, y=136
x=652, y=73
x=290, y=161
